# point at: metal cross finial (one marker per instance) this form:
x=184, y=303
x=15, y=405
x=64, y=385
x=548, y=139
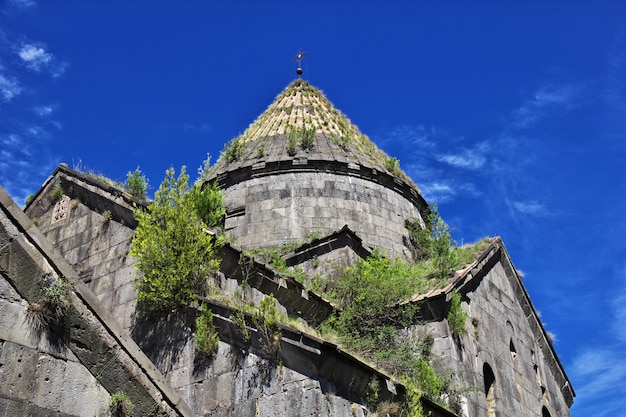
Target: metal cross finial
x=298, y=58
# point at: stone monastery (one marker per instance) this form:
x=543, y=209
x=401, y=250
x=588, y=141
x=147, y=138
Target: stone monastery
x=301, y=177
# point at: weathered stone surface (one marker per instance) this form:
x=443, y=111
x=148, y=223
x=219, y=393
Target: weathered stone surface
x=273, y=198
x=374, y=212
x=499, y=334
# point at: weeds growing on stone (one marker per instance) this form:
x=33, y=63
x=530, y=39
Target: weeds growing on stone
x=121, y=405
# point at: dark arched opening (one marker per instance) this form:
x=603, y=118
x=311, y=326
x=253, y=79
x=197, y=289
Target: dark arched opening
x=545, y=412
x=489, y=379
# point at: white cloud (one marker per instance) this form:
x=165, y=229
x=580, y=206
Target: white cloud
x=439, y=192
x=9, y=87
x=543, y=102
x=467, y=158
x=43, y=111
x=528, y=207
x=37, y=59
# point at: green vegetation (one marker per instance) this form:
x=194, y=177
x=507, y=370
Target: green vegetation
x=443, y=247
x=233, y=150
x=107, y=216
x=136, y=184
x=208, y=203
x=342, y=142
x=207, y=336
x=56, y=299
x=456, y=315
x=175, y=254
x=307, y=138
x=57, y=192
x=260, y=151
x=434, y=244
x=292, y=143
x=266, y=319
x=393, y=165
x=121, y=405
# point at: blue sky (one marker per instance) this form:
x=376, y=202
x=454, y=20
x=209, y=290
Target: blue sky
x=510, y=115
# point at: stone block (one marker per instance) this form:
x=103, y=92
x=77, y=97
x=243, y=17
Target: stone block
x=48, y=380
x=17, y=370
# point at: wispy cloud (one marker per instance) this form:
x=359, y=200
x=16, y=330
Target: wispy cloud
x=196, y=128
x=35, y=58
x=544, y=101
x=22, y=4
x=528, y=207
x=22, y=155
x=9, y=86
x=407, y=135
x=599, y=371
x=439, y=191
x=43, y=111
x=466, y=158
x=25, y=131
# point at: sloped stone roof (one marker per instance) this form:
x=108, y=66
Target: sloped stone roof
x=299, y=110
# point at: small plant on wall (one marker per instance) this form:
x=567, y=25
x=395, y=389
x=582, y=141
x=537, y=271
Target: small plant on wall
x=292, y=143
x=233, y=150
x=207, y=337
x=57, y=192
x=265, y=318
x=121, y=405
x=307, y=138
x=456, y=315
x=56, y=300
x=136, y=184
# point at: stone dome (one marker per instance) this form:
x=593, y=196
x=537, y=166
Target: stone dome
x=303, y=168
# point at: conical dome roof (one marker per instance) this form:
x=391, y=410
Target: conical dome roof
x=302, y=125
x=303, y=168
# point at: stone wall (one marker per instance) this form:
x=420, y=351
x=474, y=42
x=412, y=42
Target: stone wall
x=239, y=380
x=39, y=375
x=73, y=361
x=499, y=334
x=269, y=213
x=84, y=229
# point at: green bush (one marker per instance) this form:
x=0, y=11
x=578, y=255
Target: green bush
x=208, y=202
x=444, y=253
x=393, y=165
x=369, y=293
x=421, y=239
x=266, y=318
x=456, y=315
x=136, y=184
x=207, y=337
x=233, y=150
x=292, y=143
x=175, y=255
x=307, y=138
x=57, y=192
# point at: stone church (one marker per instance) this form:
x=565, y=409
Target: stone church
x=332, y=197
